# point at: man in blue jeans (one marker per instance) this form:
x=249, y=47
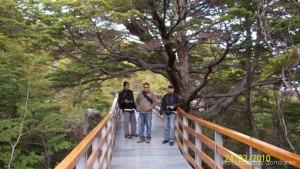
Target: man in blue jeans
x=170, y=102
x=145, y=102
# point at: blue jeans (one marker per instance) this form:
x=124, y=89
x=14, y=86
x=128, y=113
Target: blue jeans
x=145, y=118
x=169, y=126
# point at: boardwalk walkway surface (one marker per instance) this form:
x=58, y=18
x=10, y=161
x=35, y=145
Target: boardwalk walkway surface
x=128, y=154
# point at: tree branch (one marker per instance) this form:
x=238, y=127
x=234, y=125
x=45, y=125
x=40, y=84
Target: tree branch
x=193, y=94
x=14, y=145
x=237, y=92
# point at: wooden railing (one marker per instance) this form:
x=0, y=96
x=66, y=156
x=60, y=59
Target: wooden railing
x=260, y=153
x=95, y=150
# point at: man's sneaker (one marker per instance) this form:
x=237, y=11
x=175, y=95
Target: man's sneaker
x=128, y=136
x=134, y=135
x=140, y=141
x=165, y=141
x=148, y=140
x=171, y=143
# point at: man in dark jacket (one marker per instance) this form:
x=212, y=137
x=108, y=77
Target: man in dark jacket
x=126, y=103
x=170, y=102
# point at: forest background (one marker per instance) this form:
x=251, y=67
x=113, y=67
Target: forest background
x=233, y=62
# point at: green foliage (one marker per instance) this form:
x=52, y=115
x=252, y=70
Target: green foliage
x=133, y=14
x=9, y=128
x=27, y=162
x=71, y=75
x=21, y=72
x=2, y=41
x=235, y=13
x=231, y=74
x=283, y=62
x=13, y=69
x=282, y=23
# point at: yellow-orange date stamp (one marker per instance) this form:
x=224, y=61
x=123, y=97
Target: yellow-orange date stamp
x=245, y=157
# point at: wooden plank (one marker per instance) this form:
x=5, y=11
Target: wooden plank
x=179, y=143
x=198, y=166
x=179, y=132
x=205, y=140
x=101, y=142
x=103, y=156
x=185, y=154
x=92, y=158
x=189, y=144
x=209, y=161
x=180, y=122
x=190, y=159
x=190, y=130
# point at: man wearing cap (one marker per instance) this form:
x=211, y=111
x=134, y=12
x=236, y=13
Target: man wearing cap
x=170, y=102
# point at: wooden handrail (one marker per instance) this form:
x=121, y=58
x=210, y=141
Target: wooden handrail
x=101, y=140
x=104, y=139
x=271, y=150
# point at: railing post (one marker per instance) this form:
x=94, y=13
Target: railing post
x=185, y=134
x=198, y=144
x=109, y=137
x=82, y=162
x=176, y=125
x=116, y=120
x=95, y=146
x=252, y=153
x=114, y=125
x=104, y=147
x=218, y=157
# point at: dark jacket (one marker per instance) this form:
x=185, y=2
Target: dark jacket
x=170, y=99
x=123, y=95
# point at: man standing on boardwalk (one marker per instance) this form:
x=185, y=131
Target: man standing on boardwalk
x=170, y=102
x=145, y=102
x=126, y=103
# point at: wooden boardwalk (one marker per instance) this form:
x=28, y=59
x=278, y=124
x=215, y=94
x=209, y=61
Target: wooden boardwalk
x=128, y=154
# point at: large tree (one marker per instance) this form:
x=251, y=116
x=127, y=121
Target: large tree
x=191, y=43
